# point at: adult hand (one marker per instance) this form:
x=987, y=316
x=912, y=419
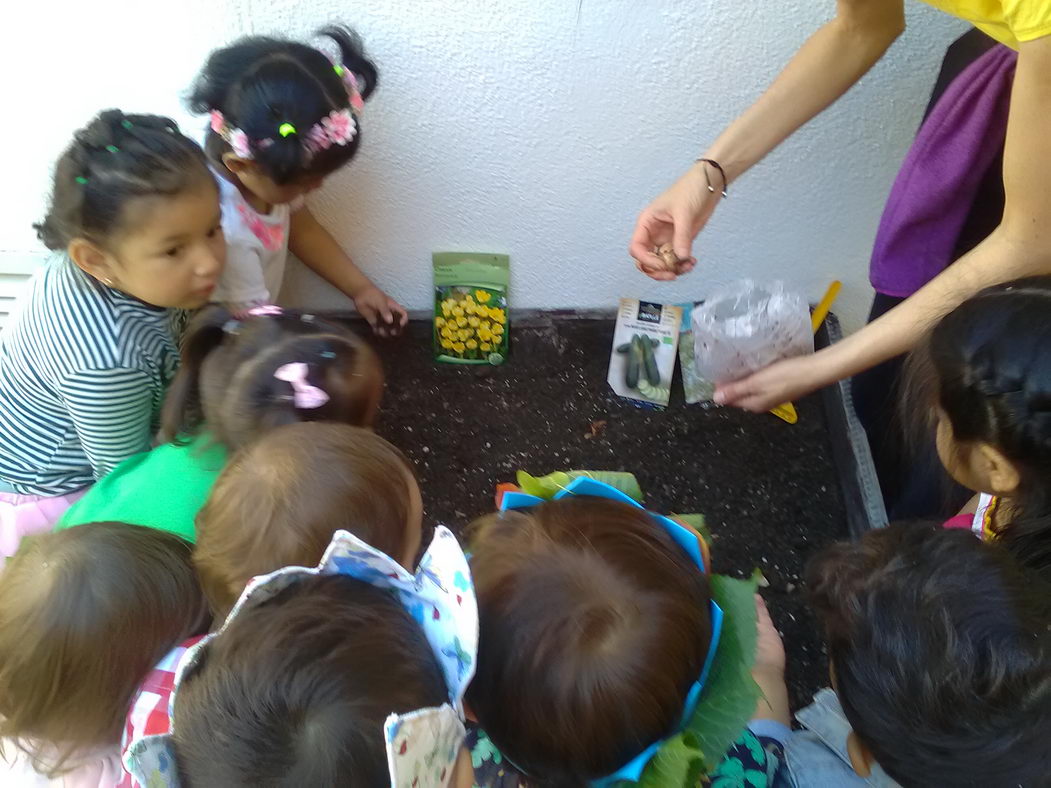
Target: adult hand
x=781, y=382
x=386, y=316
x=675, y=217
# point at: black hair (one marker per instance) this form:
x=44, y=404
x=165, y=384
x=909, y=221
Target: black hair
x=113, y=160
x=987, y=365
x=940, y=647
x=227, y=377
x=260, y=83
x=296, y=689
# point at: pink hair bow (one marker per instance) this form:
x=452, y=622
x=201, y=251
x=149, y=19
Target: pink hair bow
x=305, y=395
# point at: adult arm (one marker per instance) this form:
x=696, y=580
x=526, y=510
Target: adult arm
x=827, y=65
x=318, y=250
x=1020, y=246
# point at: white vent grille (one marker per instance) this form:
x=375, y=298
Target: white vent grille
x=15, y=271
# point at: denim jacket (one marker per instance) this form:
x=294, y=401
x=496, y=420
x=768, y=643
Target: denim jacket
x=817, y=755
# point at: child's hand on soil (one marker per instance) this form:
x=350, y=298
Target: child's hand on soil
x=769, y=668
x=386, y=316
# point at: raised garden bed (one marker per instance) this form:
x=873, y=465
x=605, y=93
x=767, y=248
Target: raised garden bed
x=772, y=493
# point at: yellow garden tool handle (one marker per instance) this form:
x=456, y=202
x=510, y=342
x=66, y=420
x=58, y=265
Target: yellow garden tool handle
x=824, y=305
x=787, y=412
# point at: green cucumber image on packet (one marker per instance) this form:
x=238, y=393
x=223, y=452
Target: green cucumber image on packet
x=645, y=345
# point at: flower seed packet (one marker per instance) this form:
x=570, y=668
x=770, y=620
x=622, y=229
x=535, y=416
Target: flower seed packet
x=470, y=307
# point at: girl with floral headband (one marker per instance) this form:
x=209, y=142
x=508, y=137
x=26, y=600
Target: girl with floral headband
x=283, y=117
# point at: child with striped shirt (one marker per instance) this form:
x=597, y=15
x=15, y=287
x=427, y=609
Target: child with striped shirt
x=135, y=222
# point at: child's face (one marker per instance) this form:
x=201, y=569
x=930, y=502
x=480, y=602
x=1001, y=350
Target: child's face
x=262, y=186
x=170, y=252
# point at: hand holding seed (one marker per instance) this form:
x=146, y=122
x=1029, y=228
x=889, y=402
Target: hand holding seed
x=667, y=255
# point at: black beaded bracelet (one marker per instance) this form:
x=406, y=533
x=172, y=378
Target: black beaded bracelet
x=722, y=173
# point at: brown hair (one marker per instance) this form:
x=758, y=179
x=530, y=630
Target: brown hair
x=280, y=500
x=593, y=626
x=227, y=377
x=296, y=689
x=85, y=613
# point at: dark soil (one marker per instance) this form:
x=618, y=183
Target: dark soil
x=768, y=489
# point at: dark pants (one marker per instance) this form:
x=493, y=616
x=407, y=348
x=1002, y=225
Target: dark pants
x=913, y=481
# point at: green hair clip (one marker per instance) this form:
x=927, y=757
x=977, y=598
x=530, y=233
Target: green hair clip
x=285, y=129
x=81, y=179
x=113, y=149
x=126, y=123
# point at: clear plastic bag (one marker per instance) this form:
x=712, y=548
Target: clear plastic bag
x=747, y=325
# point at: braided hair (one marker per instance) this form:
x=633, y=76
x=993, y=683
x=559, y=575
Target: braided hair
x=113, y=160
x=261, y=84
x=990, y=361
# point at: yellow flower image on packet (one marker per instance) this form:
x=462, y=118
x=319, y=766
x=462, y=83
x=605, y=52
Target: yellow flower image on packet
x=471, y=307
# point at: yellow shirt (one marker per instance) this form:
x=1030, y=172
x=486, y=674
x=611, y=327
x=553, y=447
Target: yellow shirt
x=1008, y=21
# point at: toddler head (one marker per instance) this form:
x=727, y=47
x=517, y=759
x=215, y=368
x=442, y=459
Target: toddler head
x=347, y=672
x=241, y=378
x=295, y=690
x=988, y=363
x=283, y=114
x=280, y=500
x=85, y=613
x=134, y=205
x=940, y=647
x=594, y=625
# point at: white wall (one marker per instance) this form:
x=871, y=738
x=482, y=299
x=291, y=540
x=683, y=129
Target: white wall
x=533, y=127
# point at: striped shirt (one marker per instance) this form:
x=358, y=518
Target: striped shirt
x=83, y=369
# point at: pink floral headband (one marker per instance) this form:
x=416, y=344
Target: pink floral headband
x=336, y=128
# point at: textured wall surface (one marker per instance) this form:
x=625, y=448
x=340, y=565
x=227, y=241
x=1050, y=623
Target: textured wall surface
x=538, y=128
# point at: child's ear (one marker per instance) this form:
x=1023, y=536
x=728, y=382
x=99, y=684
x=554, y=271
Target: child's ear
x=1001, y=472
x=91, y=259
x=860, y=756
x=237, y=165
